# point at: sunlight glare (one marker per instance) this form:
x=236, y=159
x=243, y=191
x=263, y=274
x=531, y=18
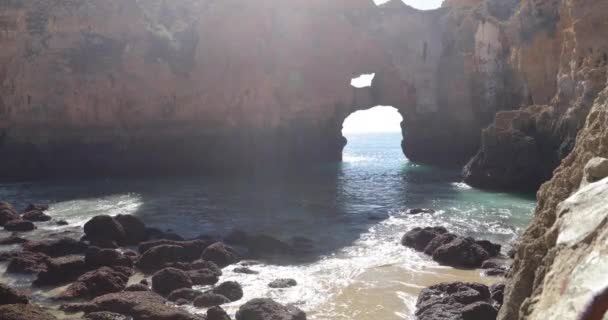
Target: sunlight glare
x=377, y=119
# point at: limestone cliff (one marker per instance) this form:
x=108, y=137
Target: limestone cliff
x=559, y=57
x=159, y=86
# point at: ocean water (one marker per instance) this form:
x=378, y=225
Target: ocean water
x=352, y=211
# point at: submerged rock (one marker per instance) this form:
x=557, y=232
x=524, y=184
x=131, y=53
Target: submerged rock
x=244, y=270
x=12, y=240
x=24, y=312
x=203, y=277
x=264, y=309
x=36, y=207
x=106, y=316
x=7, y=215
x=36, y=216
x=95, y=283
x=283, y=283
x=461, y=252
x=96, y=257
x=419, y=211
x=58, y=247
x=61, y=270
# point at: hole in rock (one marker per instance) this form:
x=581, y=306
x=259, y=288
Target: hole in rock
x=373, y=134
x=418, y=4
x=362, y=81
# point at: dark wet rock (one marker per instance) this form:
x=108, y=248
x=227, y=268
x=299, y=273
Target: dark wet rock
x=61, y=270
x=419, y=238
x=204, y=264
x=301, y=245
x=513, y=250
x=182, y=302
x=61, y=223
x=480, y=310
x=448, y=300
x=19, y=226
x=167, y=280
x=36, y=207
x=157, y=257
x=489, y=264
x=283, y=283
x=217, y=313
x=137, y=287
x=57, y=247
x=96, y=257
x=259, y=245
x=27, y=262
x=6, y=206
x=104, y=315
x=7, y=215
x=135, y=229
x=9, y=295
x=24, y=312
x=141, y=305
x=438, y=241
x=85, y=307
x=496, y=272
x=12, y=240
x=187, y=294
x=461, y=253
x=492, y=249
x=156, y=234
x=192, y=249
x=229, y=289
x=209, y=299
x=249, y=263
x=95, y=283
x=419, y=211
x=497, y=292
x=184, y=266
x=220, y=254
x=144, y=281
x=244, y=270
x=36, y=216
x=264, y=309
x=203, y=277
x=104, y=229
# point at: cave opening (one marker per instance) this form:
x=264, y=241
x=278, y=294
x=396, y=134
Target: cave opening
x=374, y=133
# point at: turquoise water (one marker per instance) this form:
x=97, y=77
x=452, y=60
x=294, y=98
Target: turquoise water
x=353, y=211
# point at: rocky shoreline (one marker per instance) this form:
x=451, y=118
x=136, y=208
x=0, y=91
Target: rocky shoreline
x=96, y=273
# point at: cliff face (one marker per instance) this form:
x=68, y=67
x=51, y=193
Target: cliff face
x=558, y=55
x=105, y=87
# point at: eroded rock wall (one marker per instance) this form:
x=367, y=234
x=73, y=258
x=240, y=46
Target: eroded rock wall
x=158, y=86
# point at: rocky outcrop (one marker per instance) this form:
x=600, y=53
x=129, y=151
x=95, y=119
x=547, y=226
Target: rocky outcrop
x=24, y=312
x=543, y=268
x=258, y=309
x=140, y=78
x=457, y=301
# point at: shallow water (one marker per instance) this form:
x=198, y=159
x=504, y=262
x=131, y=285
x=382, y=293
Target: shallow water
x=353, y=211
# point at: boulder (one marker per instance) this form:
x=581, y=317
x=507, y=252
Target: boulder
x=187, y=294
x=141, y=305
x=264, y=309
x=448, y=300
x=61, y=270
x=229, y=289
x=61, y=223
x=96, y=257
x=36, y=207
x=36, y=216
x=220, y=254
x=8, y=215
x=461, y=253
x=192, y=249
x=104, y=315
x=438, y=241
x=28, y=262
x=203, y=277
x=217, y=313
x=137, y=287
x=6, y=206
x=480, y=310
x=209, y=299
x=283, y=283
x=95, y=283
x=208, y=265
x=12, y=240
x=135, y=229
x=104, y=229
x=259, y=245
x=497, y=292
x=419, y=238
x=489, y=264
x=24, y=312
x=19, y=226
x=492, y=249
x=9, y=295
x=157, y=257
x=156, y=234
x=57, y=247
x=167, y=280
